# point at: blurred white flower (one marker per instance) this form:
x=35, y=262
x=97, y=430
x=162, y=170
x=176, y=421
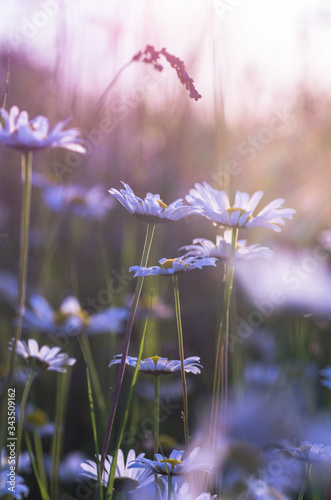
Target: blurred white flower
x=300, y=281
x=20, y=133
x=81, y=201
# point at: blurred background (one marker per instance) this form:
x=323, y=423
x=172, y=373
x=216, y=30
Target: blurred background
x=263, y=123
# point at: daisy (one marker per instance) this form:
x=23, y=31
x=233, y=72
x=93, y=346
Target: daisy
x=307, y=452
x=215, y=206
x=155, y=365
x=70, y=318
x=126, y=479
x=17, y=490
x=47, y=358
x=170, y=267
x=222, y=249
x=81, y=201
x=20, y=133
x=174, y=465
x=152, y=208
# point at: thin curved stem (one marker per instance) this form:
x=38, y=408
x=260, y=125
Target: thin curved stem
x=22, y=274
x=92, y=413
x=221, y=361
x=21, y=418
x=305, y=482
x=127, y=338
x=127, y=408
x=181, y=354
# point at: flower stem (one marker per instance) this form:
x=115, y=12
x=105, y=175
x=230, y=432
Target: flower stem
x=181, y=354
x=127, y=338
x=22, y=274
x=39, y=457
x=93, y=376
x=93, y=420
x=22, y=410
x=156, y=413
x=157, y=418
x=305, y=482
x=61, y=404
x=221, y=361
x=127, y=408
x=42, y=487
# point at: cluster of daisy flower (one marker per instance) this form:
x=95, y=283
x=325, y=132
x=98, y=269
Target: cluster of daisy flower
x=164, y=477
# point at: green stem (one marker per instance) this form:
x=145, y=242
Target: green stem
x=22, y=274
x=61, y=404
x=127, y=338
x=93, y=374
x=156, y=413
x=305, y=482
x=43, y=491
x=21, y=418
x=40, y=457
x=181, y=355
x=93, y=420
x=221, y=361
x=127, y=408
x=156, y=417
x=169, y=486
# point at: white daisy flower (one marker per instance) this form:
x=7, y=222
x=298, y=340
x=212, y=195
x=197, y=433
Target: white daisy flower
x=169, y=267
x=47, y=358
x=126, y=479
x=152, y=208
x=222, y=249
x=307, y=451
x=71, y=319
x=20, y=133
x=215, y=206
x=155, y=365
x=174, y=465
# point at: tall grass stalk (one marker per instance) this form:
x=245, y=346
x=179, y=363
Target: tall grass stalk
x=181, y=355
x=61, y=407
x=93, y=420
x=221, y=360
x=21, y=418
x=127, y=338
x=110, y=486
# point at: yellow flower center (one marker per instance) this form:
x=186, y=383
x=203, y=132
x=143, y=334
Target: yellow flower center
x=162, y=204
x=37, y=418
x=167, y=264
x=60, y=317
x=169, y=461
x=155, y=359
x=231, y=210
